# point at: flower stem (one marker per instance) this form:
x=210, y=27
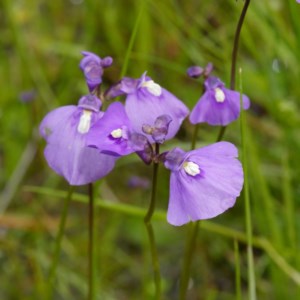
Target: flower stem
x=190, y=243
x=250, y=259
x=236, y=45
x=189, y=251
x=234, y=57
x=237, y=270
x=221, y=133
x=195, y=136
x=91, y=248
x=52, y=272
x=150, y=232
x=132, y=39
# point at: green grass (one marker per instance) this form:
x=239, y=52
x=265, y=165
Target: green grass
x=40, y=50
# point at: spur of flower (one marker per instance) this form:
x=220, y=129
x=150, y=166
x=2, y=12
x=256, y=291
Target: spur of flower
x=204, y=182
x=218, y=105
x=146, y=101
x=65, y=130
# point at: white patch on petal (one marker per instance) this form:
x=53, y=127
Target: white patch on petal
x=219, y=95
x=85, y=122
x=191, y=168
x=117, y=133
x=152, y=87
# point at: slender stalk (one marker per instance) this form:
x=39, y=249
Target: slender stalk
x=91, y=248
x=62, y=224
x=221, y=133
x=189, y=252
x=250, y=260
x=150, y=232
x=190, y=243
x=236, y=45
x=234, y=57
x=132, y=39
x=237, y=270
x=195, y=136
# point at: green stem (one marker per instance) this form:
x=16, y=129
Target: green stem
x=237, y=270
x=250, y=260
x=132, y=39
x=91, y=248
x=195, y=136
x=62, y=224
x=221, y=133
x=236, y=45
x=189, y=251
x=150, y=232
x=190, y=243
x=234, y=58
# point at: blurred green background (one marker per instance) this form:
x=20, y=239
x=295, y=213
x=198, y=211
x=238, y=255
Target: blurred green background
x=40, y=50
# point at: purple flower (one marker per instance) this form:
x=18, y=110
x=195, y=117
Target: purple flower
x=196, y=71
x=110, y=134
x=92, y=66
x=146, y=101
x=218, y=105
x=65, y=130
x=204, y=182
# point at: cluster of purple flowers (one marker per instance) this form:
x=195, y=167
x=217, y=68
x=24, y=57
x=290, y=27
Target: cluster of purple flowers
x=84, y=142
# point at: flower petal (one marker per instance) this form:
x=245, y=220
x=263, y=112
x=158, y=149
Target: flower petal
x=176, y=214
x=142, y=107
x=211, y=191
x=218, y=105
x=66, y=151
x=55, y=120
x=114, y=118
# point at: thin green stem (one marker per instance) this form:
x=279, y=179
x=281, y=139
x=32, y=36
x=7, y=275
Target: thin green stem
x=62, y=224
x=250, y=260
x=237, y=270
x=132, y=39
x=221, y=133
x=91, y=248
x=150, y=232
x=234, y=57
x=189, y=252
x=195, y=137
x=236, y=45
x=190, y=242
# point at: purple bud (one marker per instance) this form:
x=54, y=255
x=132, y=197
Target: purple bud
x=147, y=129
x=92, y=66
x=140, y=144
x=208, y=69
x=90, y=102
x=137, y=141
x=106, y=62
x=194, y=71
x=161, y=127
x=125, y=86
